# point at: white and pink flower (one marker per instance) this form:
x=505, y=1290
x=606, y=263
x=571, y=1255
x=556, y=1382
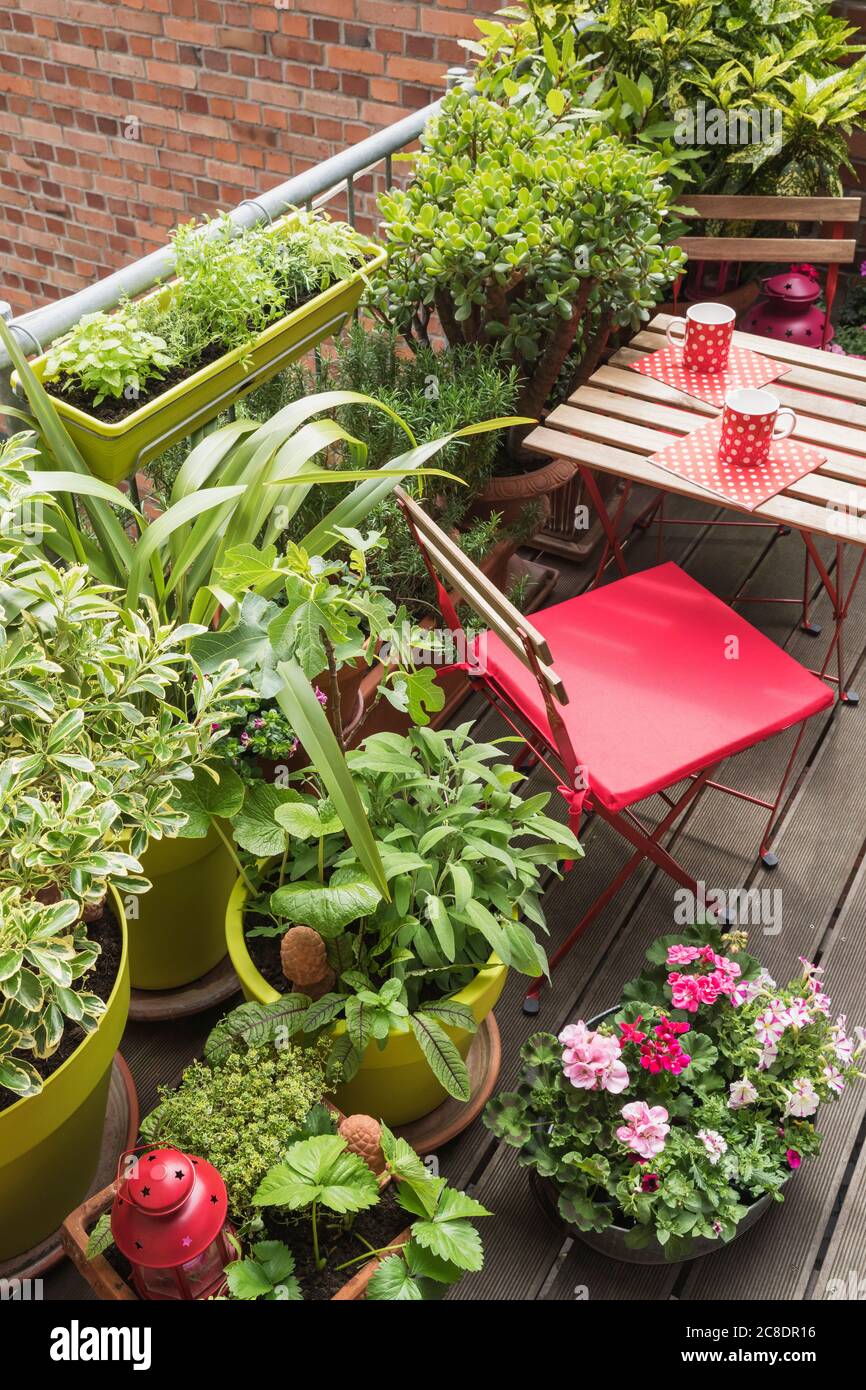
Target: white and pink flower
x=802, y=1098
x=646, y=1130
x=799, y=1013
x=743, y=1092
x=835, y=1080
x=714, y=1144
x=771, y=1023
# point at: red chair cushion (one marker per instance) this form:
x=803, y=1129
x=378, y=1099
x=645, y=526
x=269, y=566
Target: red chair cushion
x=663, y=679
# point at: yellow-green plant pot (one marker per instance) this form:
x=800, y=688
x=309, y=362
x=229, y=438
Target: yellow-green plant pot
x=177, y=929
x=395, y=1085
x=50, y=1143
x=114, y=451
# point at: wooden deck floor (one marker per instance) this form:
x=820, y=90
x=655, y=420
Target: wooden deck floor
x=819, y=1233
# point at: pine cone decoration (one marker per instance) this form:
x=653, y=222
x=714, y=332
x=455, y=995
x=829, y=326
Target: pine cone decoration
x=363, y=1136
x=303, y=957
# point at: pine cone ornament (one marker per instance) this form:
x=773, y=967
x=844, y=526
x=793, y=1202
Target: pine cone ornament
x=363, y=1136
x=303, y=956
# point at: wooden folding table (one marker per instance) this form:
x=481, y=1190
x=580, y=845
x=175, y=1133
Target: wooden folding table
x=619, y=418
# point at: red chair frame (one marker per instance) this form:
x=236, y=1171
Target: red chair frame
x=558, y=754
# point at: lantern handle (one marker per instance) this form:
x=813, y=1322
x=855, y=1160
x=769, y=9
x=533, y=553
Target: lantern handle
x=137, y=1148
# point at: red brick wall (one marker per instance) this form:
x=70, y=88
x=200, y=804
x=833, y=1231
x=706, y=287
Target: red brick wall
x=117, y=120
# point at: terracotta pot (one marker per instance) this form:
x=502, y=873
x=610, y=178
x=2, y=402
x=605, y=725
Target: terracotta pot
x=510, y=496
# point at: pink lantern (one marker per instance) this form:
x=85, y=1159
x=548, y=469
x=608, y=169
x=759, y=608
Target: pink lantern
x=787, y=311
x=169, y=1220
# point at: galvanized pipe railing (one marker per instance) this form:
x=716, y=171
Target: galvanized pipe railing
x=38, y=328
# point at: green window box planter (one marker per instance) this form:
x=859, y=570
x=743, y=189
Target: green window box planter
x=396, y=1084
x=115, y=451
x=50, y=1143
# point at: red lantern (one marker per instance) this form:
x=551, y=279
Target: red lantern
x=169, y=1220
x=787, y=310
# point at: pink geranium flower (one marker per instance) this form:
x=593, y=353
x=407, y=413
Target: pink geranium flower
x=683, y=955
x=685, y=991
x=591, y=1061
x=646, y=1129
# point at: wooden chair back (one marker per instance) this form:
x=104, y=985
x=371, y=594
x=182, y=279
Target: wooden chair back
x=833, y=250
x=446, y=561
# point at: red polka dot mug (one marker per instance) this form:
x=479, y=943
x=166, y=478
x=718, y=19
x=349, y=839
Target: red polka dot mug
x=705, y=337
x=751, y=421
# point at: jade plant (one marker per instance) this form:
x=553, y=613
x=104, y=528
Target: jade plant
x=672, y=1115
x=512, y=225
x=460, y=857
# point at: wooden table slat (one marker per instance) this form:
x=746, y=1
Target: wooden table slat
x=829, y=363
x=842, y=445
x=819, y=487
x=785, y=510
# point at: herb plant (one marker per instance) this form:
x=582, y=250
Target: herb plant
x=108, y=355
x=240, y=1108
x=459, y=877
x=232, y=285
x=695, y=1099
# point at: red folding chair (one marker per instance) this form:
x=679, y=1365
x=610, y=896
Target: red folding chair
x=667, y=682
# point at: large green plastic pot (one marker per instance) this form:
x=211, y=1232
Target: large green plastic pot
x=50, y=1143
x=395, y=1085
x=114, y=451
x=177, y=929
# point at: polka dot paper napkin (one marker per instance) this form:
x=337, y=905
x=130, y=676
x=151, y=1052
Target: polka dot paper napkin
x=695, y=457
x=745, y=368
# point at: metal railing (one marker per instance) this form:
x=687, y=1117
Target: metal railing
x=315, y=187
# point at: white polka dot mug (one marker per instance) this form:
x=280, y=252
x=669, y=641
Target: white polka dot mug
x=705, y=337
x=751, y=421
